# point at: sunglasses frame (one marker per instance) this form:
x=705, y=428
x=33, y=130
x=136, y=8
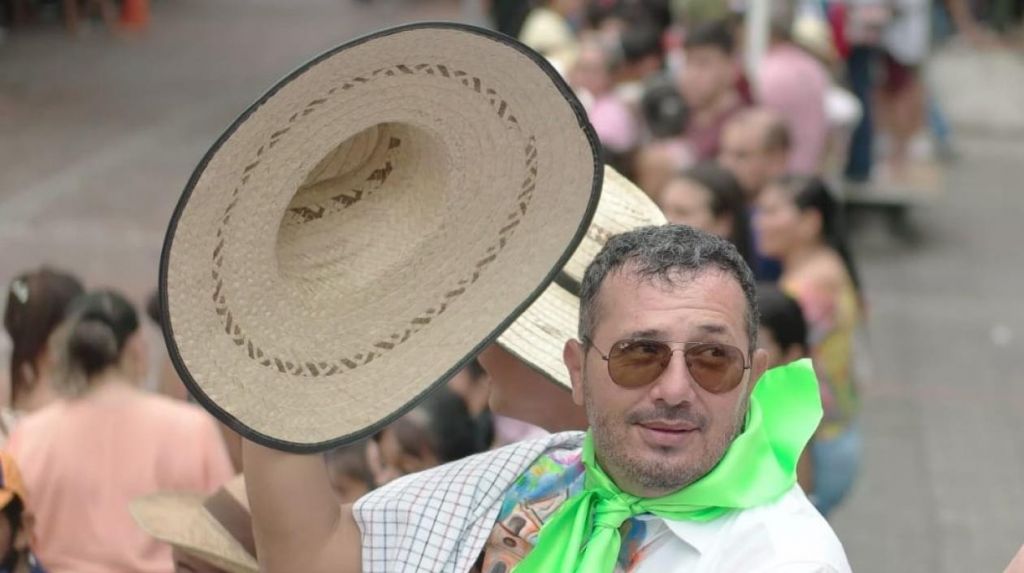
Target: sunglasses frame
x=686, y=345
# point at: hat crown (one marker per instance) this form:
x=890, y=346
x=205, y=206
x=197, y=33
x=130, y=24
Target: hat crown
x=368, y=225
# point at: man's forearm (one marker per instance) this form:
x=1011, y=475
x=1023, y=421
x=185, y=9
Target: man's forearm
x=298, y=522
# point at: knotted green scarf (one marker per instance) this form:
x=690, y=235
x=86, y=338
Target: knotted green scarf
x=759, y=467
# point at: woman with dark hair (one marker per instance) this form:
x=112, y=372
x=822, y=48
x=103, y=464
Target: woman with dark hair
x=708, y=197
x=798, y=222
x=36, y=303
x=86, y=456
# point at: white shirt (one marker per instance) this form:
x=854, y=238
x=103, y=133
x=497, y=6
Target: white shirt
x=439, y=521
x=787, y=536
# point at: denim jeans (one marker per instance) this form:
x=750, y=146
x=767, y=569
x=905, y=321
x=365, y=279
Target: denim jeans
x=836, y=463
x=860, y=73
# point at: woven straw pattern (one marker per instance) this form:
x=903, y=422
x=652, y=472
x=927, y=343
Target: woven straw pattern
x=370, y=224
x=180, y=520
x=623, y=207
x=538, y=336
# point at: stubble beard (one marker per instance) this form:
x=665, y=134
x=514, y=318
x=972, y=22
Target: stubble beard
x=630, y=470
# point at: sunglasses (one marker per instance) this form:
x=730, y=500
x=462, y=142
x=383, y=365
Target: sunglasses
x=715, y=367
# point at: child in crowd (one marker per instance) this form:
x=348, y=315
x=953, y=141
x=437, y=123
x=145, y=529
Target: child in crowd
x=783, y=334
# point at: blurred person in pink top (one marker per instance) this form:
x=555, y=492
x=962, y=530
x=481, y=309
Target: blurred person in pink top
x=793, y=83
x=85, y=457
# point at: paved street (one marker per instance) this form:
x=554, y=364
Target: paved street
x=98, y=136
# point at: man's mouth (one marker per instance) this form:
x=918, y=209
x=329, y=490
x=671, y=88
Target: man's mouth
x=667, y=434
x=669, y=426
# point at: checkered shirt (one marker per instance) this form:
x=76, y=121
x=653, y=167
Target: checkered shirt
x=437, y=521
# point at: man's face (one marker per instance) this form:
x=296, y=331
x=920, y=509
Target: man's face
x=658, y=438
x=766, y=340
x=742, y=152
x=709, y=74
x=518, y=391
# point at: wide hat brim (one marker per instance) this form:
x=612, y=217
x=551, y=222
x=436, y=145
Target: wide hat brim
x=369, y=225
x=538, y=336
x=180, y=520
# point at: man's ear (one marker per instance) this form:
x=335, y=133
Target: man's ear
x=758, y=365
x=573, y=355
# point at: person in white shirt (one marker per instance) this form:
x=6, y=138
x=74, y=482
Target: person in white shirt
x=689, y=463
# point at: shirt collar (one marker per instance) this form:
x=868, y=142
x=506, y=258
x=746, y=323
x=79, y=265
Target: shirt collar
x=700, y=535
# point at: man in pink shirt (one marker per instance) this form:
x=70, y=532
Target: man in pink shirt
x=708, y=86
x=793, y=84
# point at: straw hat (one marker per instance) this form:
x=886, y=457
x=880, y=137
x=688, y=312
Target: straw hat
x=369, y=224
x=216, y=529
x=538, y=336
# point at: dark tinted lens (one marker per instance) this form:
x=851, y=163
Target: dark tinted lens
x=634, y=363
x=716, y=367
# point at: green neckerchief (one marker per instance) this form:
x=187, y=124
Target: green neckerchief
x=759, y=467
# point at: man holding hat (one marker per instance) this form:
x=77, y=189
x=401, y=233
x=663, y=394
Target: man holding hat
x=402, y=251
x=689, y=463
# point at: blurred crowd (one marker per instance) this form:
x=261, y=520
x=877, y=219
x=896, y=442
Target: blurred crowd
x=749, y=142
x=94, y=429
x=843, y=82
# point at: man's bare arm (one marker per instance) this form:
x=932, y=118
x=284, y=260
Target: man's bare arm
x=298, y=523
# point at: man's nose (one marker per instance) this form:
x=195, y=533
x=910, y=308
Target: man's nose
x=675, y=385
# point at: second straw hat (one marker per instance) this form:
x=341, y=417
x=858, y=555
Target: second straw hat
x=370, y=224
x=538, y=336
x=216, y=528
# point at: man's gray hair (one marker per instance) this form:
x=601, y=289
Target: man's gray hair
x=668, y=253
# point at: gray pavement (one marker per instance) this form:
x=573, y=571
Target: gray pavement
x=943, y=482
x=99, y=134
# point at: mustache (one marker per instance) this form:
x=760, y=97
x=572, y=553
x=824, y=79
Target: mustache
x=666, y=413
